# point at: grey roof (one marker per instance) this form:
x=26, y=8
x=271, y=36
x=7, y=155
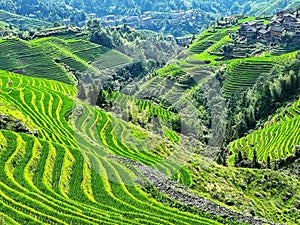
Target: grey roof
x=290, y=15
x=252, y=22
x=276, y=21
x=252, y=29
x=244, y=28
x=276, y=28
x=263, y=31
x=262, y=27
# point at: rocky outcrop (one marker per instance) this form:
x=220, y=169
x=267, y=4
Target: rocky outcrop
x=13, y=124
x=179, y=192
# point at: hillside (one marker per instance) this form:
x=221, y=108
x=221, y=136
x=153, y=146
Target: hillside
x=81, y=181
x=278, y=139
x=93, y=133
x=56, y=58
x=221, y=89
x=45, y=181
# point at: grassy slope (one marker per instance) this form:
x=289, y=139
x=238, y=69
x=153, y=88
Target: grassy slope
x=252, y=191
x=277, y=139
x=55, y=58
x=63, y=176
x=76, y=182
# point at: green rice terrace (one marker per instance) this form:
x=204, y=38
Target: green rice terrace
x=74, y=170
x=243, y=74
x=57, y=59
x=204, y=139
x=63, y=176
x=277, y=139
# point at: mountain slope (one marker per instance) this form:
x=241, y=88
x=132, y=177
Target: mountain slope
x=64, y=176
x=278, y=139
x=148, y=155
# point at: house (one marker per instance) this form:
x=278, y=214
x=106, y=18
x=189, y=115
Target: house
x=276, y=32
x=182, y=40
x=289, y=22
x=284, y=21
x=276, y=22
x=262, y=27
x=110, y=17
x=251, y=33
x=243, y=29
x=91, y=16
x=132, y=18
x=147, y=13
x=297, y=27
x=170, y=37
x=66, y=22
x=263, y=34
x=251, y=23
x=297, y=30
x=145, y=19
x=283, y=12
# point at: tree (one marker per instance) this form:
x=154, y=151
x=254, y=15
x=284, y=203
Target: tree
x=268, y=162
x=101, y=38
x=227, y=50
x=56, y=24
x=101, y=99
x=255, y=163
x=240, y=156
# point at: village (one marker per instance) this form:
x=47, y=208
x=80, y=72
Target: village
x=285, y=23
x=152, y=21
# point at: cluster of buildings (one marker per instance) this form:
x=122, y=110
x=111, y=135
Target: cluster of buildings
x=284, y=22
x=228, y=21
x=149, y=19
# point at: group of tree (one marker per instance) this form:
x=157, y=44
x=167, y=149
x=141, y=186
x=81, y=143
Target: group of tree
x=271, y=91
x=242, y=160
x=51, y=11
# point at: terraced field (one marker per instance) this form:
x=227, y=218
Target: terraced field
x=111, y=60
x=86, y=50
x=56, y=59
x=64, y=176
x=242, y=74
x=207, y=39
x=278, y=139
x=143, y=105
x=83, y=49
x=19, y=56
